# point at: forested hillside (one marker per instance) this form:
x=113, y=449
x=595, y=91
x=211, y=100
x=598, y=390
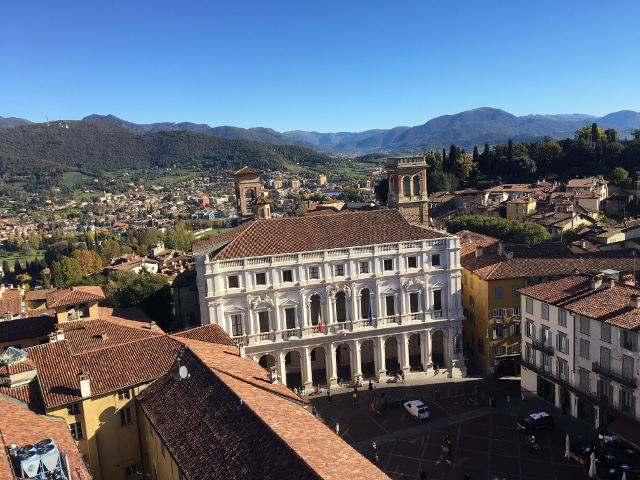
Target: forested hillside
x=94, y=147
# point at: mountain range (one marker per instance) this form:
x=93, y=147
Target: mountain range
x=466, y=130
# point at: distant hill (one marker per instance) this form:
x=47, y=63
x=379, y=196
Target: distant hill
x=97, y=146
x=465, y=129
x=13, y=122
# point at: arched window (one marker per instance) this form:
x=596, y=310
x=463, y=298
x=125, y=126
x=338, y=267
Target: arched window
x=365, y=303
x=417, y=190
x=406, y=186
x=391, y=182
x=341, y=307
x=315, y=310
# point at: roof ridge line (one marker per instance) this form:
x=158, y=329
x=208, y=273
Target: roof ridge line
x=86, y=352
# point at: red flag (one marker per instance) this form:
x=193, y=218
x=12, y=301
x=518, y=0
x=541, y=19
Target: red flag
x=320, y=327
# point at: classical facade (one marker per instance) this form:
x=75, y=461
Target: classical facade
x=580, y=348
x=329, y=297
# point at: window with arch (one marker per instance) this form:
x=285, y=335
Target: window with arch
x=341, y=307
x=417, y=189
x=365, y=303
x=406, y=186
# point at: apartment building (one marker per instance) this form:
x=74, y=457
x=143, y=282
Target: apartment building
x=580, y=348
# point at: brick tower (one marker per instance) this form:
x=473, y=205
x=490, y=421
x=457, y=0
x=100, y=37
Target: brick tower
x=248, y=189
x=407, y=178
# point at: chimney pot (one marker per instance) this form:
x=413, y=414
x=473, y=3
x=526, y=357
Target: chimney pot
x=509, y=255
x=153, y=325
x=501, y=248
x=634, y=301
x=596, y=282
x=85, y=385
x=479, y=251
x=241, y=350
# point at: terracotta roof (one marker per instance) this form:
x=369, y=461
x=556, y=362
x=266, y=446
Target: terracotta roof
x=23, y=427
x=211, y=333
x=41, y=294
x=91, y=335
x=25, y=328
x=536, y=260
x=12, y=305
x=252, y=432
x=28, y=394
x=248, y=171
x=110, y=368
x=302, y=234
x=74, y=295
x=131, y=317
x=610, y=303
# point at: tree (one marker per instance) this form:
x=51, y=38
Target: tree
x=109, y=249
x=524, y=166
x=510, y=150
x=437, y=182
x=509, y=231
x=612, y=135
x=382, y=191
x=636, y=134
x=465, y=167
x=56, y=275
x=476, y=155
x=619, y=176
x=71, y=272
x=89, y=261
x=179, y=238
x=56, y=251
x=485, y=160
x=301, y=210
x=351, y=194
x=590, y=134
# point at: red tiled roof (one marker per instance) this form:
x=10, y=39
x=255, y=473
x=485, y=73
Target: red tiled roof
x=41, y=294
x=12, y=305
x=211, y=333
x=248, y=171
x=536, y=260
x=251, y=432
x=23, y=427
x=29, y=394
x=87, y=335
x=25, y=328
x=131, y=317
x=110, y=368
x=73, y=296
x=610, y=303
x=302, y=234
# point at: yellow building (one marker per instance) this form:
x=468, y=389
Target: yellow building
x=492, y=273
x=520, y=208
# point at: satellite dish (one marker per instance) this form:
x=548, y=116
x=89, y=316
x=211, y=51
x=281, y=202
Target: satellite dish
x=183, y=372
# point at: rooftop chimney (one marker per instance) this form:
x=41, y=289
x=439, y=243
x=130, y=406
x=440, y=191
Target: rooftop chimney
x=241, y=350
x=85, y=386
x=500, y=247
x=634, y=301
x=596, y=282
x=509, y=255
x=479, y=251
x=59, y=335
x=104, y=336
x=153, y=325
x=273, y=375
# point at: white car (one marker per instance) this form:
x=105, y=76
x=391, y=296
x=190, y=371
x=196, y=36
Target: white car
x=418, y=409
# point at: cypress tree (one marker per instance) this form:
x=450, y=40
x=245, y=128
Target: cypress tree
x=595, y=135
x=510, y=150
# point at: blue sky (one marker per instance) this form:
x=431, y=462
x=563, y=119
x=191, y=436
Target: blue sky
x=326, y=66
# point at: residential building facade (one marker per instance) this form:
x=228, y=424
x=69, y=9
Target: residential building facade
x=580, y=347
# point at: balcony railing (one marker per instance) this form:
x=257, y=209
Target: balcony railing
x=613, y=375
x=548, y=349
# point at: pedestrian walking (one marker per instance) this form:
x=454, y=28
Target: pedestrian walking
x=447, y=439
x=328, y=397
x=314, y=411
x=436, y=370
x=437, y=392
x=423, y=474
x=337, y=429
x=355, y=398
x=370, y=386
x=402, y=377
x=375, y=458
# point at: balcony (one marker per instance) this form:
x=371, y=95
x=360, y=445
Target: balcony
x=548, y=349
x=613, y=375
x=499, y=320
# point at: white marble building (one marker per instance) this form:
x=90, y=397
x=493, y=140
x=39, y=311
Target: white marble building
x=335, y=296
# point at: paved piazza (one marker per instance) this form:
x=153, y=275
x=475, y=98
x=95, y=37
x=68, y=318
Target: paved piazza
x=486, y=444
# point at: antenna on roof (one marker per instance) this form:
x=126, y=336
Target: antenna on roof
x=183, y=372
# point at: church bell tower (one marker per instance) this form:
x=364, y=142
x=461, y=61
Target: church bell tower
x=248, y=189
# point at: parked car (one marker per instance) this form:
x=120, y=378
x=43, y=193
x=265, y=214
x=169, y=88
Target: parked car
x=418, y=409
x=535, y=421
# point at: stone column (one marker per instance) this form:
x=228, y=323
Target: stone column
x=250, y=315
x=382, y=369
x=332, y=373
x=404, y=353
x=304, y=311
x=280, y=364
x=357, y=357
x=277, y=320
x=428, y=360
x=306, y=374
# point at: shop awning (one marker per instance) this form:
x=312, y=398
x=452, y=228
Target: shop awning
x=627, y=431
